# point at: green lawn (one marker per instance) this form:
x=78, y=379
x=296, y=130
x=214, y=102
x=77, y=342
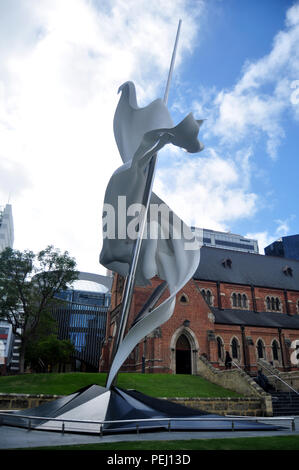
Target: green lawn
x=241, y=443
x=156, y=385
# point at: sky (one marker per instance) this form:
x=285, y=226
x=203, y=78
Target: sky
x=61, y=64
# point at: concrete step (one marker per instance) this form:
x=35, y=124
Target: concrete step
x=285, y=403
x=278, y=406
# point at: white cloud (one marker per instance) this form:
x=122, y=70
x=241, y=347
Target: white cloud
x=283, y=227
x=61, y=63
x=60, y=70
x=255, y=106
x=209, y=191
x=265, y=238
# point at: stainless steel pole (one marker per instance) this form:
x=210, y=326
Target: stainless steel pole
x=165, y=99
x=130, y=281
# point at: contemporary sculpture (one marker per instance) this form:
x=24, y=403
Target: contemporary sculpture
x=145, y=246
x=165, y=248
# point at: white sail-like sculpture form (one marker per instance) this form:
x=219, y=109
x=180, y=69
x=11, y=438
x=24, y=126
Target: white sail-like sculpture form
x=169, y=249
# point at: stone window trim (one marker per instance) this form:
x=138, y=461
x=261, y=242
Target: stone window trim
x=188, y=333
x=220, y=349
x=184, y=299
x=235, y=350
x=260, y=343
x=239, y=300
x=194, y=346
x=274, y=342
x=273, y=304
x=296, y=348
x=208, y=296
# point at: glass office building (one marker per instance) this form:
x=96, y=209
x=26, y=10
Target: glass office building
x=9, y=343
x=86, y=292
x=230, y=241
x=82, y=318
x=285, y=247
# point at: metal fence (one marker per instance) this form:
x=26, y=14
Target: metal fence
x=97, y=426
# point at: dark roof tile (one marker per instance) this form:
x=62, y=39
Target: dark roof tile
x=250, y=318
x=247, y=268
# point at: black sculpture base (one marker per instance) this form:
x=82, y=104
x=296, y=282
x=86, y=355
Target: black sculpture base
x=95, y=403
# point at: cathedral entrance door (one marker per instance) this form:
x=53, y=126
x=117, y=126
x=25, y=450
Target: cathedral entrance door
x=183, y=356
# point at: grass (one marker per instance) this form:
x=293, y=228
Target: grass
x=242, y=443
x=156, y=385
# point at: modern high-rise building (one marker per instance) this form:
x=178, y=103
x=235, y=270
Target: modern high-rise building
x=8, y=348
x=285, y=247
x=6, y=227
x=226, y=240
x=82, y=318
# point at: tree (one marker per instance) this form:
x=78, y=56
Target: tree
x=47, y=327
x=49, y=351
x=28, y=284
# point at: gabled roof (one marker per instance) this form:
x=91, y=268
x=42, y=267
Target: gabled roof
x=250, y=318
x=247, y=268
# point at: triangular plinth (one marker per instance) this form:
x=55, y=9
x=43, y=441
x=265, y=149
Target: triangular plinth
x=123, y=411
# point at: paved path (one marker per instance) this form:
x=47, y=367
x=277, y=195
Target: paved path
x=17, y=438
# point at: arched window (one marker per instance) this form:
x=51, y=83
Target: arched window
x=277, y=304
x=183, y=343
x=184, y=299
x=260, y=349
x=275, y=349
x=268, y=303
x=239, y=300
x=273, y=303
x=235, y=348
x=297, y=306
x=219, y=348
x=209, y=297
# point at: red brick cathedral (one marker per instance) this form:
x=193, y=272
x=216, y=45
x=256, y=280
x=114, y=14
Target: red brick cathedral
x=243, y=303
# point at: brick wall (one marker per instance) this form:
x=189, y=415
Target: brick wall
x=248, y=406
x=194, y=319
x=20, y=401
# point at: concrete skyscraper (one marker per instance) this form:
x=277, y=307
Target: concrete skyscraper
x=6, y=227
